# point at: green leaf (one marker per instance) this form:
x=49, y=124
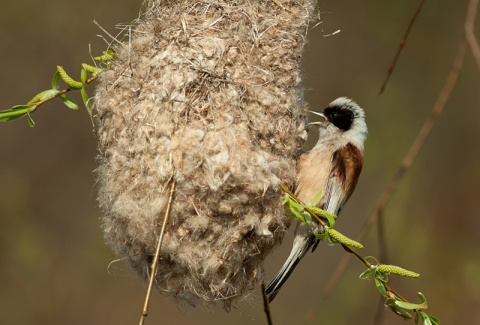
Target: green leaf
x=321, y=236
x=382, y=276
x=427, y=319
x=290, y=202
x=331, y=219
x=297, y=214
x=55, y=79
x=400, y=312
x=433, y=320
x=422, y=298
x=86, y=99
x=15, y=112
x=368, y=273
x=307, y=218
x=31, y=123
x=371, y=259
x=409, y=305
x=381, y=287
x=69, y=102
x=83, y=76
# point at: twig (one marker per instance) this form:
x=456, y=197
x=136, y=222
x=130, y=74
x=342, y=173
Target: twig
x=154, y=266
x=469, y=31
x=368, y=265
x=407, y=161
x=106, y=32
x=400, y=47
x=286, y=190
x=60, y=92
x=266, y=305
x=383, y=254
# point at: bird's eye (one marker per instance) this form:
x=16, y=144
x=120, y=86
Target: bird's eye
x=334, y=115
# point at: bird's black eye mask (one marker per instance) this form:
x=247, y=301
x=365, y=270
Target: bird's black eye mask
x=340, y=117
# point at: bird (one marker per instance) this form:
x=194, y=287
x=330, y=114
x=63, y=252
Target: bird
x=332, y=167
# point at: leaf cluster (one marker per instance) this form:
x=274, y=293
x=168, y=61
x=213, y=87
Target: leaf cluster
x=88, y=73
x=325, y=221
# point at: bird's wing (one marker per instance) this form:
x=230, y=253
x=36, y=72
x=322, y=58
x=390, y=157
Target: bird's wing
x=347, y=164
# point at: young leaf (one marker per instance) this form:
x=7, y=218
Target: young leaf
x=15, y=112
x=86, y=99
x=400, y=312
x=409, y=305
x=69, y=102
x=83, y=76
x=368, y=273
x=382, y=276
x=381, y=287
x=371, y=258
x=55, y=79
x=430, y=318
x=422, y=298
x=321, y=236
x=30, y=121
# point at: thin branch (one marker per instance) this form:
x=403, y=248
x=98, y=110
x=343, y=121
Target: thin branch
x=469, y=30
x=400, y=47
x=154, y=266
x=383, y=254
x=266, y=305
x=407, y=161
x=320, y=221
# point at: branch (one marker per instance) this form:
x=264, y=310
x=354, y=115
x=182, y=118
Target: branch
x=154, y=266
x=469, y=31
x=400, y=47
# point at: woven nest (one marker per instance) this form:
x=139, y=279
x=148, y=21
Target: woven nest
x=206, y=93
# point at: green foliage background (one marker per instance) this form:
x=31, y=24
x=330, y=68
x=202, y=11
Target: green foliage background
x=54, y=260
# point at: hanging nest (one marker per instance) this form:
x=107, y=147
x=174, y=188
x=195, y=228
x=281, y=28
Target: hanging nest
x=207, y=93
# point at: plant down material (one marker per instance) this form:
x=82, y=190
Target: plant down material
x=208, y=93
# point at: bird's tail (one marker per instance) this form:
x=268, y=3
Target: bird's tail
x=301, y=244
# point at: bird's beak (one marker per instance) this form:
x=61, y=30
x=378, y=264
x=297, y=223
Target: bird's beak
x=319, y=114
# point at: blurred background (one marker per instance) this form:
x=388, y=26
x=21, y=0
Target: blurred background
x=54, y=263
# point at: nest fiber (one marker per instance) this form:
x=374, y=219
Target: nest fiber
x=206, y=93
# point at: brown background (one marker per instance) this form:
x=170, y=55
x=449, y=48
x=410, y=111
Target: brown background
x=53, y=261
